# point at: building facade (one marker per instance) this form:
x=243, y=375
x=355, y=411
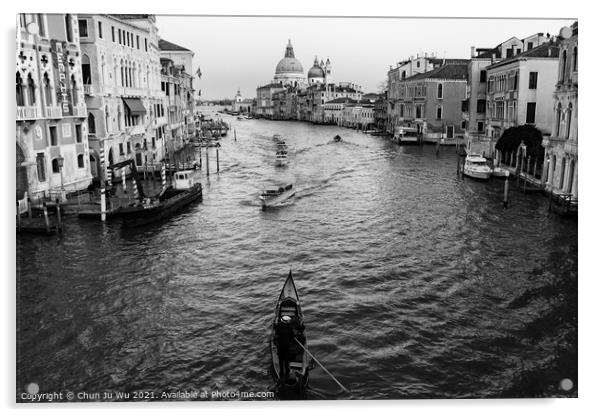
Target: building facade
x=122, y=76
x=561, y=147
x=52, y=149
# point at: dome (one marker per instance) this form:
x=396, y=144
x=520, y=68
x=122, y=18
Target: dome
x=289, y=64
x=315, y=72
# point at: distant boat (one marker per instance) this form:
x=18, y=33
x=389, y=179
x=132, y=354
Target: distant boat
x=276, y=195
x=281, y=157
x=289, y=308
x=476, y=167
x=337, y=138
x=277, y=137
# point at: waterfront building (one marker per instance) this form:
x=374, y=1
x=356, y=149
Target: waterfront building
x=122, y=76
x=519, y=91
x=52, y=148
x=476, y=105
x=265, y=107
x=431, y=102
x=333, y=110
x=561, y=147
x=177, y=72
x=240, y=104
x=380, y=112
x=358, y=114
x=396, y=87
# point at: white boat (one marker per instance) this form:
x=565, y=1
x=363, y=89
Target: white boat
x=476, y=167
x=500, y=172
x=276, y=195
x=281, y=157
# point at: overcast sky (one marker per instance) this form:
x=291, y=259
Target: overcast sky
x=243, y=52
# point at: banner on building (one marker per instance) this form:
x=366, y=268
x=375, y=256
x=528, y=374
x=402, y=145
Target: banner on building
x=61, y=79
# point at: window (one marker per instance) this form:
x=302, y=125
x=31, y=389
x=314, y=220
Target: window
x=31, y=90
x=74, y=90
x=121, y=149
x=418, y=64
x=558, y=119
x=80, y=161
x=47, y=89
x=91, y=123
x=145, y=45
x=575, y=58
x=530, y=113
x=532, y=80
x=41, y=165
x=438, y=112
x=129, y=147
x=569, y=115
x=480, y=126
x=440, y=91
x=53, y=137
x=113, y=33
x=83, y=27
x=55, y=166
x=86, y=71
x=518, y=51
x=529, y=45
x=463, y=124
x=481, y=106
x=20, y=91
x=563, y=66
x=68, y=28
x=137, y=42
x=42, y=29
x=78, y=133
x=100, y=30
x=509, y=52
x=119, y=35
x=483, y=76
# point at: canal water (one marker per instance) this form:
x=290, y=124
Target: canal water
x=414, y=282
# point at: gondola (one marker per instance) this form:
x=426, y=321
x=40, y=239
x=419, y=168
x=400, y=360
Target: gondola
x=289, y=305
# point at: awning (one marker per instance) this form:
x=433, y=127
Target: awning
x=135, y=105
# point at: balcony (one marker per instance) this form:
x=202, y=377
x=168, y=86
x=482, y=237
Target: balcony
x=136, y=130
x=80, y=110
x=28, y=113
x=54, y=112
x=89, y=89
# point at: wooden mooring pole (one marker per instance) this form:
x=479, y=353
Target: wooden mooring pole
x=234, y=135
x=207, y=160
x=46, y=220
x=506, y=187
x=58, y=216
x=217, y=157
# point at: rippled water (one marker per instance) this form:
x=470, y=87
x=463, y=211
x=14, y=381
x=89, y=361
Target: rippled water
x=414, y=283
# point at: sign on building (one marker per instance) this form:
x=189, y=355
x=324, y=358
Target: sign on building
x=61, y=81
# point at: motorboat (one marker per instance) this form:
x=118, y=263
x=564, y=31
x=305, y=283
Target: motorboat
x=277, y=137
x=276, y=195
x=281, y=157
x=288, y=308
x=337, y=138
x=475, y=166
x=499, y=172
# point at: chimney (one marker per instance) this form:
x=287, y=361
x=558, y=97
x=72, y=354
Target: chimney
x=473, y=51
x=513, y=50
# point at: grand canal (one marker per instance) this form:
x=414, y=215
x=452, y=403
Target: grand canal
x=414, y=282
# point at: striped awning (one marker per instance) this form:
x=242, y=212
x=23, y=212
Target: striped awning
x=135, y=105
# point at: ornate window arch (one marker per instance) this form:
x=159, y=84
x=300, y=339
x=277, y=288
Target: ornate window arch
x=20, y=90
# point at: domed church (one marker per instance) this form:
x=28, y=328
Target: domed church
x=289, y=70
x=319, y=73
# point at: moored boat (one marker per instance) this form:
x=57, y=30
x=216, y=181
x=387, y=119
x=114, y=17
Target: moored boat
x=499, y=172
x=288, y=313
x=172, y=199
x=276, y=195
x=475, y=166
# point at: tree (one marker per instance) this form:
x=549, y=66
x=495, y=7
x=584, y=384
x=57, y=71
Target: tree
x=513, y=136
x=382, y=87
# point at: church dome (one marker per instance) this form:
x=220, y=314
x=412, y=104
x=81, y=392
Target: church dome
x=315, y=71
x=289, y=64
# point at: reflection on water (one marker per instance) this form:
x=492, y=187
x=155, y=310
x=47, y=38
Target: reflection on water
x=415, y=284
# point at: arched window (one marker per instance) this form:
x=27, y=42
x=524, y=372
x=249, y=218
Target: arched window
x=122, y=74
x=68, y=28
x=107, y=127
x=74, y=90
x=119, y=125
x=31, y=90
x=20, y=91
x=569, y=115
x=47, y=89
x=563, y=66
x=558, y=118
x=80, y=161
x=440, y=91
x=575, y=58
x=438, y=112
x=55, y=166
x=91, y=123
x=403, y=75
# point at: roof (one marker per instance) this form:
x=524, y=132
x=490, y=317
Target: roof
x=545, y=50
x=169, y=46
x=272, y=85
x=446, y=72
x=341, y=100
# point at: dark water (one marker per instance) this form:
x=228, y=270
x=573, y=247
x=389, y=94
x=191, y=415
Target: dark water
x=414, y=283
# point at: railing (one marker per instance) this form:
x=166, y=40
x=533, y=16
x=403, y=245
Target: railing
x=136, y=130
x=54, y=112
x=80, y=110
x=28, y=112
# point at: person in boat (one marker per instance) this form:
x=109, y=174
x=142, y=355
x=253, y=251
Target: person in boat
x=298, y=329
x=284, y=338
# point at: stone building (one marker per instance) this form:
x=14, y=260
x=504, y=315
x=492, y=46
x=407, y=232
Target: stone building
x=561, y=147
x=122, y=75
x=289, y=71
x=52, y=149
x=242, y=105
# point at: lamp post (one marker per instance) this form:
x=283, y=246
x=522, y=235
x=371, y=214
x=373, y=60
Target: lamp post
x=60, y=161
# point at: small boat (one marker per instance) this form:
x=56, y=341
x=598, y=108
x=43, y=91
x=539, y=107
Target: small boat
x=499, y=172
x=281, y=144
x=281, y=157
x=276, y=195
x=337, y=138
x=240, y=118
x=277, y=137
x=172, y=199
x=288, y=305
x=476, y=167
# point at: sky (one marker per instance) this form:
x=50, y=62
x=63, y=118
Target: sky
x=235, y=52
